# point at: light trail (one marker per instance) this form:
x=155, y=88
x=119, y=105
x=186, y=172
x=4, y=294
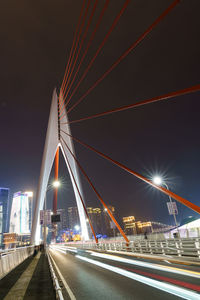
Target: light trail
x=147, y=265
x=166, y=287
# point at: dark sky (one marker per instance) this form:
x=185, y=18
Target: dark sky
x=161, y=138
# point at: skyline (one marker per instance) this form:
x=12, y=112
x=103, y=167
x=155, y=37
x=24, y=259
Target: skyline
x=161, y=138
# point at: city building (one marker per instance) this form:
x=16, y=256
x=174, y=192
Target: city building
x=109, y=226
x=62, y=225
x=73, y=217
x=131, y=226
x=4, y=217
x=96, y=219
x=19, y=217
x=30, y=203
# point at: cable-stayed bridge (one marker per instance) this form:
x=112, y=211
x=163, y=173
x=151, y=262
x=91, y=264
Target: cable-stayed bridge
x=93, y=270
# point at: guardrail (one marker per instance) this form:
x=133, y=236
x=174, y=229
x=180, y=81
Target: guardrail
x=11, y=258
x=55, y=280
x=186, y=247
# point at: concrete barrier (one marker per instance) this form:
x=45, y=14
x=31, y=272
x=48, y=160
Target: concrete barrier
x=9, y=259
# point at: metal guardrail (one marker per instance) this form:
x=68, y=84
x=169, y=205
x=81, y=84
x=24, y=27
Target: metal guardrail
x=182, y=247
x=55, y=280
x=11, y=258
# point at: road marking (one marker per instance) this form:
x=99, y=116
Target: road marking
x=167, y=261
x=69, y=291
x=166, y=287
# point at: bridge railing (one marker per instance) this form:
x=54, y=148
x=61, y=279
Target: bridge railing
x=186, y=247
x=11, y=258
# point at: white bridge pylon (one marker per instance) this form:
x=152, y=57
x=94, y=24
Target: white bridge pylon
x=52, y=142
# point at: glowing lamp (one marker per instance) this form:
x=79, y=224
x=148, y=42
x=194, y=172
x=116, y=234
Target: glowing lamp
x=56, y=184
x=157, y=180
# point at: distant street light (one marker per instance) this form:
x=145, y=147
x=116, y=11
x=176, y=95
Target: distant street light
x=158, y=181
x=77, y=227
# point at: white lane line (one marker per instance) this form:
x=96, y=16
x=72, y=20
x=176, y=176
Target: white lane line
x=148, y=265
x=69, y=291
x=172, y=289
x=167, y=261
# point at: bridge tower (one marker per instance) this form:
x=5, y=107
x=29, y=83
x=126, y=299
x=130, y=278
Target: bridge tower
x=52, y=143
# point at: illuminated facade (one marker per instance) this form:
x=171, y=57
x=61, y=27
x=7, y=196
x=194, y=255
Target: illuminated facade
x=4, y=204
x=108, y=224
x=62, y=225
x=19, y=217
x=129, y=225
x=73, y=217
x=137, y=227
x=96, y=219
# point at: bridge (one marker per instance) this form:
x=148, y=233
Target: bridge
x=122, y=267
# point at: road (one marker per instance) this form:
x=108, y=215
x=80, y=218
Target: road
x=93, y=275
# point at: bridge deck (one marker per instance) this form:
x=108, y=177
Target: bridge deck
x=30, y=280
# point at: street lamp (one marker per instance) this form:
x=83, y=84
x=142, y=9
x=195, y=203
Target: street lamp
x=158, y=181
x=77, y=227
x=55, y=184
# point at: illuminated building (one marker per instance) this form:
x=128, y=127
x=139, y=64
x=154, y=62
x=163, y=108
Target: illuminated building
x=129, y=225
x=62, y=225
x=96, y=219
x=30, y=200
x=137, y=227
x=19, y=217
x=73, y=217
x=108, y=224
x=4, y=204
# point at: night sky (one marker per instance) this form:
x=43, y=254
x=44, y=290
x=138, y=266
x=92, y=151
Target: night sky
x=161, y=138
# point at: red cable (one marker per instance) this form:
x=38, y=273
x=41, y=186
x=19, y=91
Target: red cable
x=77, y=27
x=99, y=48
x=81, y=29
x=98, y=195
x=133, y=46
x=88, y=45
x=80, y=46
x=160, y=188
x=85, y=209
x=77, y=41
x=192, y=89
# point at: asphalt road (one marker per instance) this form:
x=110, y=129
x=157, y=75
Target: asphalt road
x=92, y=277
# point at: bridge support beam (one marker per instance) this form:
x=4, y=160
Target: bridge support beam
x=52, y=143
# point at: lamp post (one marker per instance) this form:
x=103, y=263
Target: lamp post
x=158, y=180
x=55, y=184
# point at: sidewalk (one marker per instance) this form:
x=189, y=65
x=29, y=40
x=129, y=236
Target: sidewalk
x=30, y=280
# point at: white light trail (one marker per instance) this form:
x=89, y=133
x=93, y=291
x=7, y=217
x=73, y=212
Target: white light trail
x=172, y=289
x=148, y=265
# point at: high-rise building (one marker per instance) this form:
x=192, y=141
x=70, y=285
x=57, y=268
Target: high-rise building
x=62, y=225
x=30, y=203
x=109, y=227
x=73, y=217
x=129, y=225
x=96, y=219
x=19, y=217
x=4, y=206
